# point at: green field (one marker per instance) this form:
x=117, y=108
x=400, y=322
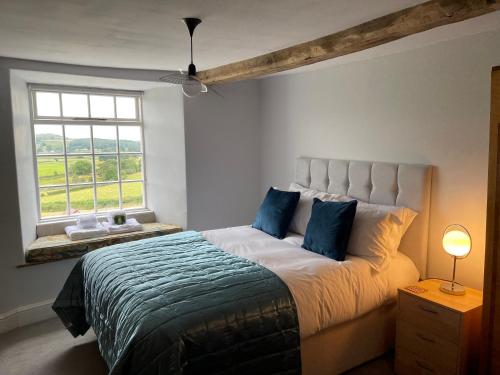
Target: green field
x=51, y=169
x=53, y=200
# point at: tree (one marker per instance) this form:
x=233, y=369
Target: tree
x=107, y=170
x=82, y=167
x=130, y=165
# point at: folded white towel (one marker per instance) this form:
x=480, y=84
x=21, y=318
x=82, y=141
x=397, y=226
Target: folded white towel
x=75, y=233
x=131, y=225
x=87, y=221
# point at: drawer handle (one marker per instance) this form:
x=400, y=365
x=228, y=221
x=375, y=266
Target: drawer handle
x=426, y=309
x=422, y=337
x=423, y=366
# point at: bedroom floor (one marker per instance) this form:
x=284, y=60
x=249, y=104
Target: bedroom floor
x=46, y=348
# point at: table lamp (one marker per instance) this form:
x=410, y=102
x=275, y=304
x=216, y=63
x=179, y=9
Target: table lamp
x=457, y=243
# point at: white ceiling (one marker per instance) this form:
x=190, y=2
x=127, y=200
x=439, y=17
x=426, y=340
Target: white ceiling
x=148, y=34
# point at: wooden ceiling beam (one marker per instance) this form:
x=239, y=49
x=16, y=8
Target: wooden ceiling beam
x=381, y=30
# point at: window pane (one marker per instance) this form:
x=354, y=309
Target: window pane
x=51, y=171
x=132, y=195
x=130, y=138
x=77, y=139
x=106, y=168
x=102, y=106
x=131, y=167
x=125, y=107
x=53, y=201
x=80, y=169
x=81, y=199
x=47, y=104
x=104, y=138
x=107, y=197
x=49, y=139
x=75, y=105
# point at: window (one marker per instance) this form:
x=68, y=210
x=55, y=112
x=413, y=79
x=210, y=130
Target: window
x=88, y=150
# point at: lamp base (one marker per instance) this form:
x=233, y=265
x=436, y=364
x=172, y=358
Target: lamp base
x=452, y=288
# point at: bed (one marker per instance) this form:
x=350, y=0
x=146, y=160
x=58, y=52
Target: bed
x=250, y=302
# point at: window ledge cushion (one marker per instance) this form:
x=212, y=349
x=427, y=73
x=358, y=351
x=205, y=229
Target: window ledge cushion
x=59, y=247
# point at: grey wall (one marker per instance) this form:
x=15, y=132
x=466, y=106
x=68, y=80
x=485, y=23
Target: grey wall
x=423, y=106
x=223, y=156
x=24, y=286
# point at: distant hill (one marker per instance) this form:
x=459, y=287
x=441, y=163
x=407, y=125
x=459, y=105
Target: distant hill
x=52, y=143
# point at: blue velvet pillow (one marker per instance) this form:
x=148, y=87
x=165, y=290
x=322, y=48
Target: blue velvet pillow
x=329, y=228
x=276, y=212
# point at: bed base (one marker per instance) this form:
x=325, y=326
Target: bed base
x=345, y=346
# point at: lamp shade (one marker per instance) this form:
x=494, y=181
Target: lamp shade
x=192, y=88
x=457, y=241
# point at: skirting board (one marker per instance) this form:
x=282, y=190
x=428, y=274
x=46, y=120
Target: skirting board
x=24, y=315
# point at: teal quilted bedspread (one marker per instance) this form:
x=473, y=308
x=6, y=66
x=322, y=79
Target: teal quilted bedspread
x=177, y=304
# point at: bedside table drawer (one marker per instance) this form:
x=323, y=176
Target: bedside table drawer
x=426, y=346
x=430, y=317
x=408, y=364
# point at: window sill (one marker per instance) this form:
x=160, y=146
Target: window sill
x=59, y=247
x=56, y=226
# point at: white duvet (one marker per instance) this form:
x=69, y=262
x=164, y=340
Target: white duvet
x=326, y=292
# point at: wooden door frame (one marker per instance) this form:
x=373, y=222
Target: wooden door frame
x=491, y=305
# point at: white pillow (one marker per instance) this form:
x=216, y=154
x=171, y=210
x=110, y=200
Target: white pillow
x=377, y=231
x=303, y=211
x=302, y=189
x=373, y=236
x=403, y=217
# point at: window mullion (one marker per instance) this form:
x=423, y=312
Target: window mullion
x=138, y=110
x=143, y=161
x=93, y=166
x=120, y=204
x=68, y=203
x=114, y=106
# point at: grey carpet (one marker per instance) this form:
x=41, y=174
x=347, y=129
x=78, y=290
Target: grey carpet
x=46, y=348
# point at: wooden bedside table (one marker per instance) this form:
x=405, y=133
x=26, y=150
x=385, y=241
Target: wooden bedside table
x=437, y=333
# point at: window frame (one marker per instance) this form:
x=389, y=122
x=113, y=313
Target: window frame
x=91, y=122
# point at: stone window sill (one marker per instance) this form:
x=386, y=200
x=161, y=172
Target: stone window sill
x=49, y=249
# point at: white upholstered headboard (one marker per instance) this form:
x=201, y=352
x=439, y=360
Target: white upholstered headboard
x=407, y=185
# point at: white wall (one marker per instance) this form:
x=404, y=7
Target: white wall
x=24, y=157
x=165, y=154
x=223, y=156
x=429, y=105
